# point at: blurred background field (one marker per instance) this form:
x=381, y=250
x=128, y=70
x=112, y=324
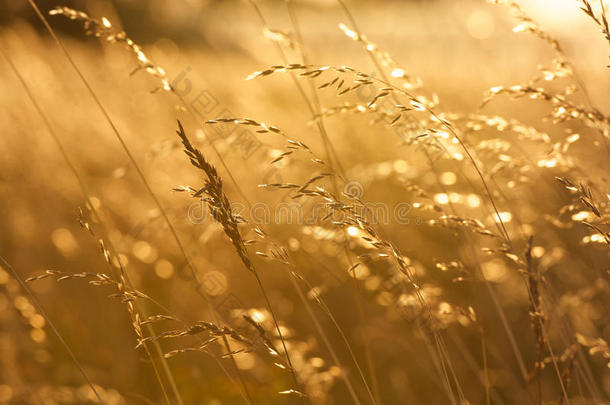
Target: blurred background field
x=459, y=50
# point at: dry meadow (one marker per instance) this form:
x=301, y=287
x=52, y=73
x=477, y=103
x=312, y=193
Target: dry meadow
x=310, y=202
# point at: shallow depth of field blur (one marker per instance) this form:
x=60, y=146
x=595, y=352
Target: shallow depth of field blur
x=450, y=300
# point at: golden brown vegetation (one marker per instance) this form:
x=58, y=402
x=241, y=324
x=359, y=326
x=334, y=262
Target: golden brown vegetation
x=366, y=238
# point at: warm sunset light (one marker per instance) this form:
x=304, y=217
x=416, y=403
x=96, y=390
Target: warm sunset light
x=308, y=202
